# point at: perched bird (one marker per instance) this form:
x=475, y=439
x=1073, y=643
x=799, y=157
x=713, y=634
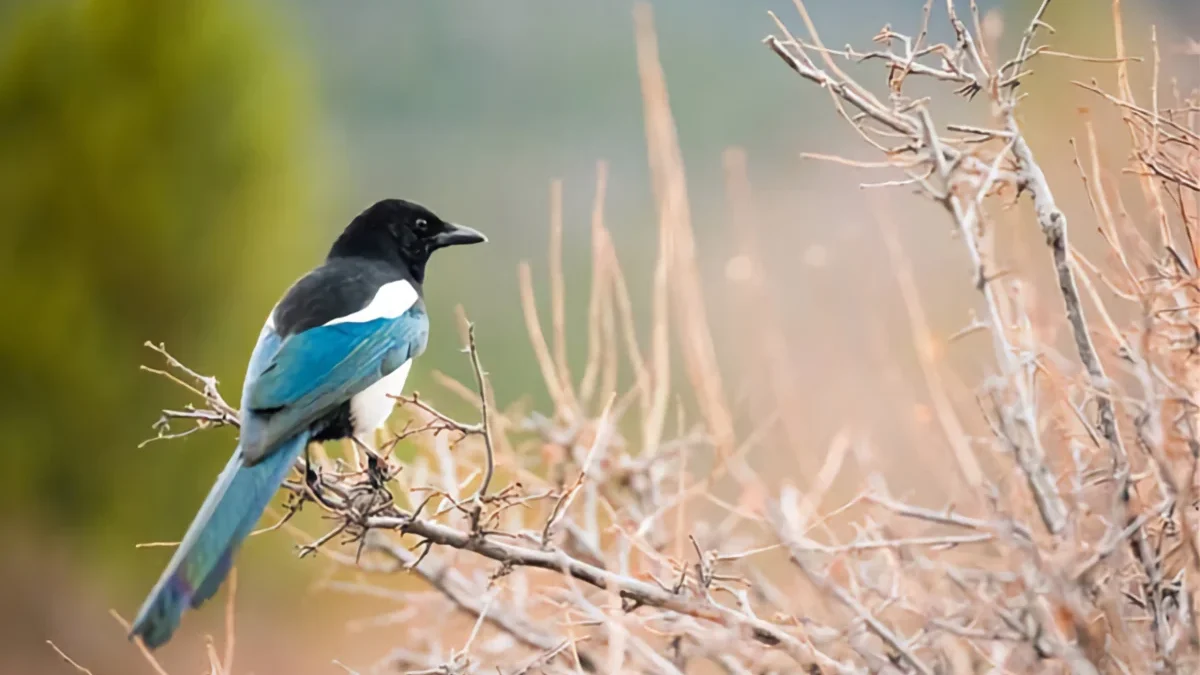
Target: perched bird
x=332, y=353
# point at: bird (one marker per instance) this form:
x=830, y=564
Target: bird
x=331, y=356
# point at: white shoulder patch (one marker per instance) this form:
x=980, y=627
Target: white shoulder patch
x=390, y=301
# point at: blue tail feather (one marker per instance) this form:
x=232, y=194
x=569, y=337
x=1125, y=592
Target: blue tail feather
x=204, y=558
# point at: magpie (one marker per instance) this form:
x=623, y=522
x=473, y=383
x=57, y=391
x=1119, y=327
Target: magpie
x=328, y=360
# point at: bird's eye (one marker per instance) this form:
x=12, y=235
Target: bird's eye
x=420, y=223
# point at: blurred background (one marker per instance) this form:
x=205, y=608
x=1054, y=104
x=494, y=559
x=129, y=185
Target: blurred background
x=167, y=168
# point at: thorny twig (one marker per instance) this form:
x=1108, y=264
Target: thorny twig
x=995, y=158
x=485, y=424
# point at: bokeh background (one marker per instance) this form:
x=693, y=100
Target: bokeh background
x=167, y=168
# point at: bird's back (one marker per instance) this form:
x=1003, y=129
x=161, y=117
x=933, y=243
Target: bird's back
x=333, y=290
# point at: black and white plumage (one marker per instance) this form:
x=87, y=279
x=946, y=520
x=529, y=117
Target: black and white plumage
x=337, y=326
x=328, y=360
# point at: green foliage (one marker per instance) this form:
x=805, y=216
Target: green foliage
x=151, y=189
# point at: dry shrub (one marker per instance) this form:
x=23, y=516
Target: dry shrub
x=597, y=538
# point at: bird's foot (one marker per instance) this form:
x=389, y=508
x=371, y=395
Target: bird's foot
x=312, y=478
x=378, y=469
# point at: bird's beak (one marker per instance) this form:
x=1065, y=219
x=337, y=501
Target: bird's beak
x=455, y=235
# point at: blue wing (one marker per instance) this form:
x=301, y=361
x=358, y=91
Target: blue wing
x=290, y=383
x=296, y=380
x=265, y=350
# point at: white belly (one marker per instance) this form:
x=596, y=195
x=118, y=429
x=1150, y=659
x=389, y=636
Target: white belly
x=370, y=408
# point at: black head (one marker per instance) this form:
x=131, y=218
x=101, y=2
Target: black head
x=400, y=232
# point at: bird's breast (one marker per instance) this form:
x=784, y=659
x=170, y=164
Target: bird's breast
x=370, y=408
